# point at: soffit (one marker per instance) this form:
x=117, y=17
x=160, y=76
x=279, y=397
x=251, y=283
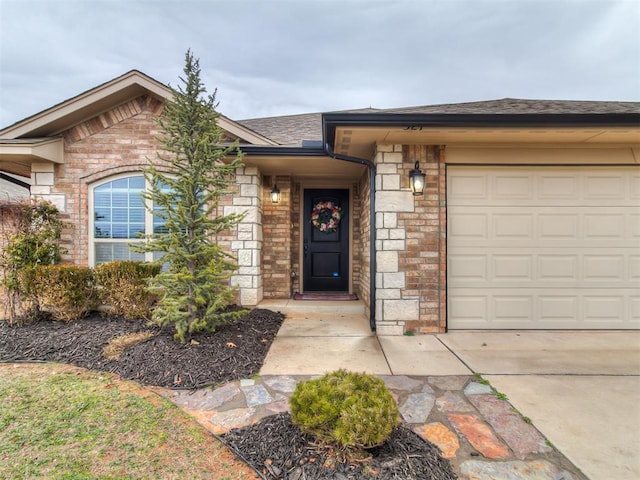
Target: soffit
x=360, y=141
x=305, y=166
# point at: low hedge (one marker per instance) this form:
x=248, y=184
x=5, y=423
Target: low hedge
x=66, y=292
x=123, y=287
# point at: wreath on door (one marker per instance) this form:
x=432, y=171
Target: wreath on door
x=326, y=216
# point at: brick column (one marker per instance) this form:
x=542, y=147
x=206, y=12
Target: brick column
x=248, y=245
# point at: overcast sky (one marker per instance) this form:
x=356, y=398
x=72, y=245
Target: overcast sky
x=277, y=57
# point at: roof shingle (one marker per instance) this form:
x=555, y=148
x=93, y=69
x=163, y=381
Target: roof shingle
x=293, y=129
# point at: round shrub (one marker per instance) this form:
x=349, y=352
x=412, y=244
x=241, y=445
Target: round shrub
x=345, y=409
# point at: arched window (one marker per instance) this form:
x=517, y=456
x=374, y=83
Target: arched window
x=118, y=217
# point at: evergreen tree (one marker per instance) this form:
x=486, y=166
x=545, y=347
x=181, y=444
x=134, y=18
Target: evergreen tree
x=193, y=170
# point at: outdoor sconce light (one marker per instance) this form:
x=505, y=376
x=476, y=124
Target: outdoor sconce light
x=275, y=194
x=416, y=178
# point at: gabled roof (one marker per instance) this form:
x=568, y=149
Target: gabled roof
x=60, y=117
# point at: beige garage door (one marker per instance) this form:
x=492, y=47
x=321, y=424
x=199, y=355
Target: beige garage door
x=543, y=247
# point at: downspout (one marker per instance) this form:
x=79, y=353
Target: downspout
x=372, y=227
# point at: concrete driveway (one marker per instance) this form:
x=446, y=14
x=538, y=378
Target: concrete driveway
x=580, y=389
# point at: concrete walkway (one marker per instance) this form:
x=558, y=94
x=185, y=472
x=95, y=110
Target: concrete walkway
x=581, y=391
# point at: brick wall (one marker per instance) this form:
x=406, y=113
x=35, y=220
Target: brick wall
x=114, y=142
x=277, y=233
x=423, y=260
x=363, y=227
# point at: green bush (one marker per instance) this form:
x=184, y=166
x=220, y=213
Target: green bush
x=67, y=292
x=345, y=409
x=122, y=285
x=31, y=236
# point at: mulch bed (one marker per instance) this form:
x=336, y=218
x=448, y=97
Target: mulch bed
x=278, y=450
x=236, y=350
x=274, y=447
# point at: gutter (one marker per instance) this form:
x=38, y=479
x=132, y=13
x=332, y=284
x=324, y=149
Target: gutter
x=264, y=150
x=15, y=181
x=372, y=226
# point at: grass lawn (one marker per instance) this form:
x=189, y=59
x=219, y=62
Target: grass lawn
x=61, y=422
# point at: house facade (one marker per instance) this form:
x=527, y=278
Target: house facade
x=529, y=217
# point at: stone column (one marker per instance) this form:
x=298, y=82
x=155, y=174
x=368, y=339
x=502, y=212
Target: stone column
x=42, y=181
x=248, y=246
x=393, y=308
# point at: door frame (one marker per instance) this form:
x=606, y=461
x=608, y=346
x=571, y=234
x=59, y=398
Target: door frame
x=321, y=184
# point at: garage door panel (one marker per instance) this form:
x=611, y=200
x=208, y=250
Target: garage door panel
x=605, y=186
x=512, y=187
x=604, y=268
x=558, y=226
x=558, y=267
x=603, y=308
x=512, y=308
x=512, y=226
x=545, y=186
x=544, y=247
x=545, y=309
x=553, y=308
x=603, y=227
x=558, y=186
x=468, y=268
x=512, y=267
x=469, y=227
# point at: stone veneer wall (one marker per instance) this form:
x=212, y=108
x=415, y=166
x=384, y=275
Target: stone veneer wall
x=411, y=241
x=248, y=242
x=276, y=253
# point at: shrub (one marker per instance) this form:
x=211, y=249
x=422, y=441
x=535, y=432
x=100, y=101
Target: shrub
x=349, y=410
x=122, y=285
x=30, y=236
x=65, y=291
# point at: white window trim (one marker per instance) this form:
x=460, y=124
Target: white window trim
x=148, y=218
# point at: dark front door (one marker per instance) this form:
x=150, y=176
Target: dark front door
x=326, y=240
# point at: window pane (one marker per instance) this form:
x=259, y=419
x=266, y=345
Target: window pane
x=102, y=230
x=119, y=215
x=135, y=229
x=119, y=230
x=122, y=184
x=136, y=183
x=109, y=252
x=102, y=199
x=102, y=215
x=136, y=215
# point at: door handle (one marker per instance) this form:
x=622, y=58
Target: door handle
x=306, y=249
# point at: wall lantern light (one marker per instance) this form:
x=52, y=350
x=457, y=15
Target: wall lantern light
x=275, y=194
x=416, y=178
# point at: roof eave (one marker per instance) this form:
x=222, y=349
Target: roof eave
x=330, y=121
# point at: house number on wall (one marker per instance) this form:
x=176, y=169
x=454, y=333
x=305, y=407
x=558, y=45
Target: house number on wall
x=413, y=128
